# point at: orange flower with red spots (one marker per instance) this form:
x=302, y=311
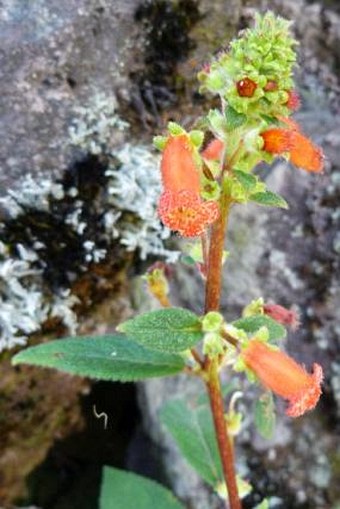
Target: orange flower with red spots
x=180, y=207
x=302, y=152
x=281, y=374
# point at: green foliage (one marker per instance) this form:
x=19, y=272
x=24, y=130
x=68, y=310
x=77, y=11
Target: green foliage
x=247, y=180
x=264, y=53
x=265, y=415
x=269, y=199
x=252, y=324
x=114, y=358
x=196, y=137
x=263, y=505
x=169, y=330
x=125, y=490
x=217, y=122
x=193, y=430
x=175, y=129
x=234, y=118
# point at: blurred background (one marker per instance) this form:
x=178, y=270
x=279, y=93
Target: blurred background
x=85, y=85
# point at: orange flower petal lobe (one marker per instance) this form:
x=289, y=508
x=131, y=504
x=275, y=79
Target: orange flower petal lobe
x=305, y=154
x=186, y=213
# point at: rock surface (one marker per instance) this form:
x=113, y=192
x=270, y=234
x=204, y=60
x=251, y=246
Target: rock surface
x=57, y=56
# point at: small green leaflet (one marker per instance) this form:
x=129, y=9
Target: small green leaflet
x=234, y=118
x=113, y=358
x=217, y=122
x=269, y=199
x=265, y=415
x=169, y=330
x=125, y=490
x=193, y=430
x=247, y=180
x=251, y=324
x=263, y=505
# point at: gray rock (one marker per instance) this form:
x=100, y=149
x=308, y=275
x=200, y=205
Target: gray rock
x=56, y=56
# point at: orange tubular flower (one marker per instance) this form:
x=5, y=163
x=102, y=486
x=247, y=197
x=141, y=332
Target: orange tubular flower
x=180, y=207
x=302, y=152
x=281, y=374
x=277, y=140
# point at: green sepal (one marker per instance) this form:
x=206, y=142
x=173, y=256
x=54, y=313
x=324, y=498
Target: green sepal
x=269, y=199
x=196, y=138
x=217, y=123
x=252, y=324
x=234, y=119
x=264, y=415
x=175, y=129
x=113, y=358
x=168, y=330
x=126, y=490
x=160, y=142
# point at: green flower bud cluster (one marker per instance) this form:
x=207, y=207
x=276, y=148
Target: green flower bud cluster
x=255, y=75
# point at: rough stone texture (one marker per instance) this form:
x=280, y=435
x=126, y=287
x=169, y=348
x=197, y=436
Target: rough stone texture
x=56, y=56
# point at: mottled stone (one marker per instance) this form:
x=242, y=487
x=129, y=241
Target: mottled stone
x=56, y=56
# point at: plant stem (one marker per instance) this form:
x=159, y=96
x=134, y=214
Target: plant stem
x=212, y=303
x=214, y=275
x=223, y=439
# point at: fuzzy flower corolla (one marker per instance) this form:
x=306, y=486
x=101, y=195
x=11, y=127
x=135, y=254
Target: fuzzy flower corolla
x=181, y=207
x=301, y=150
x=281, y=374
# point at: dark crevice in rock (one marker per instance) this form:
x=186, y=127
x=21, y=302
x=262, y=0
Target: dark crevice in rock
x=167, y=27
x=70, y=476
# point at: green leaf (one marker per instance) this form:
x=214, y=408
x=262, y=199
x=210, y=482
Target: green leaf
x=217, y=122
x=251, y=324
x=193, y=430
x=247, y=180
x=234, y=118
x=125, y=490
x=101, y=357
x=265, y=415
x=169, y=330
x=263, y=505
x=269, y=199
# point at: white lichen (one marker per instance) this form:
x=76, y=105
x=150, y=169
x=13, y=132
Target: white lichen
x=31, y=193
x=135, y=187
x=94, y=124
x=128, y=216
x=24, y=305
